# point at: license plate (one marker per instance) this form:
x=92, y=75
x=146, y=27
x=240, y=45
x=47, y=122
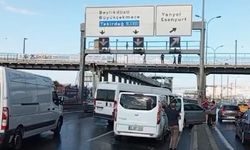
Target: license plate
x=135, y=128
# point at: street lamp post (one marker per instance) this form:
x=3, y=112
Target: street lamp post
x=214, y=50
x=207, y=23
x=24, y=39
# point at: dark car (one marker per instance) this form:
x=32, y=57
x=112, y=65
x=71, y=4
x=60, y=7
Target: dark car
x=194, y=114
x=88, y=105
x=243, y=127
x=228, y=112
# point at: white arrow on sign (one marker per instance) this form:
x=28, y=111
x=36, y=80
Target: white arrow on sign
x=138, y=42
x=103, y=42
x=176, y=40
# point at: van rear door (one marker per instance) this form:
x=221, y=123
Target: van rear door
x=137, y=113
x=104, y=103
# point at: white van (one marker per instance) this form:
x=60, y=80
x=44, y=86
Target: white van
x=107, y=94
x=140, y=115
x=28, y=106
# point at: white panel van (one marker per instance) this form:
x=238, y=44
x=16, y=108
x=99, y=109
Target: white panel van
x=28, y=106
x=141, y=115
x=107, y=94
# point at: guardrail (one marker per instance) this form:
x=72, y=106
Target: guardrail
x=220, y=59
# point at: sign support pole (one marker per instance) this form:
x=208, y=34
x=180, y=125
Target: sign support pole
x=202, y=87
x=82, y=62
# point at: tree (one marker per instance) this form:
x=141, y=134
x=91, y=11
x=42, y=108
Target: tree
x=56, y=83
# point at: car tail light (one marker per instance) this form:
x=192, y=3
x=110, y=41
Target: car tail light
x=159, y=115
x=115, y=111
x=222, y=110
x=5, y=119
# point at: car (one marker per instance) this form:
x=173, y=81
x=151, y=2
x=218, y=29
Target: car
x=228, y=112
x=194, y=114
x=140, y=115
x=88, y=105
x=242, y=127
x=243, y=107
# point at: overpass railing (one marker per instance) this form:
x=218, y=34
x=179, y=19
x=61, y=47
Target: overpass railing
x=220, y=59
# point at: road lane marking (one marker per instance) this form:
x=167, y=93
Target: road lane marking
x=228, y=145
x=102, y=135
x=195, y=140
x=211, y=139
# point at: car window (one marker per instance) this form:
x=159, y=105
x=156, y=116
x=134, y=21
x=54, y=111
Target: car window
x=231, y=107
x=105, y=95
x=192, y=101
x=187, y=107
x=138, y=102
x=198, y=108
x=192, y=107
x=178, y=104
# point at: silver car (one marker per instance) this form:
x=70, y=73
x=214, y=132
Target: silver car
x=228, y=112
x=194, y=114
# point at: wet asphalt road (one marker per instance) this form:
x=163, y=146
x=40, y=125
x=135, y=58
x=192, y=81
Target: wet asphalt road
x=228, y=131
x=82, y=132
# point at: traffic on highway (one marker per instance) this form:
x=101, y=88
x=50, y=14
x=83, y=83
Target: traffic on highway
x=81, y=131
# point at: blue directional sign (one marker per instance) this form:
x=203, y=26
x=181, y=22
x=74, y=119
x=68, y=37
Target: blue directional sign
x=138, y=42
x=104, y=45
x=175, y=42
x=138, y=45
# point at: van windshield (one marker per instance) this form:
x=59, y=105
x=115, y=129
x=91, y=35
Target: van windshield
x=105, y=95
x=138, y=102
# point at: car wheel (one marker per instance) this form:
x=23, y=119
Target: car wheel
x=236, y=136
x=110, y=123
x=190, y=126
x=117, y=137
x=161, y=138
x=243, y=137
x=58, y=128
x=185, y=124
x=17, y=140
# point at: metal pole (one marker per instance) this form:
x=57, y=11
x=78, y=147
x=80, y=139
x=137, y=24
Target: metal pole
x=24, y=39
x=202, y=75
x=214, y=79
x=116, y=46
x=221, y=89
x=235, y=86
x=82, y=62
x=206, y=39
x=235, y=52
x=227, y=85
